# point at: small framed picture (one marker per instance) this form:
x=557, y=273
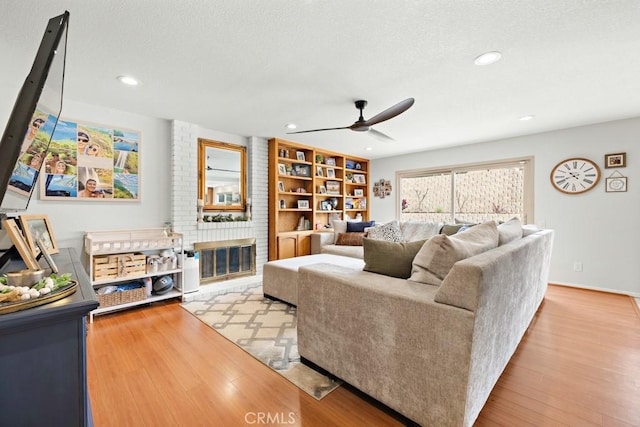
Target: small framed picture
x=616, y=160
x=38, y=227
x=319, y=171
x=281, y=186
x=20, y=243
x=331, y=173
x=616, y=184
x=325, y=206
x=330, y=161
x=322, y=189
x=359, y=178
x=300, y=155
x=358, y=192
x=303, y=204
x=282, y=169
x=283, y=204
x=301, y=170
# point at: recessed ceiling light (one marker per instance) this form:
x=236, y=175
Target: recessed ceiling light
x=368, y=148
x=291, y=126
x=488, y=58
x=128, y=80
x=525, y=118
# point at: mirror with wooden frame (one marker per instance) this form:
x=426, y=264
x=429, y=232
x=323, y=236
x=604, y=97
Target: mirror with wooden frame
x=221, y=175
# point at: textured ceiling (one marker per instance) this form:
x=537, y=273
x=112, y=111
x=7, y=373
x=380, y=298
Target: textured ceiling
x=249, y=67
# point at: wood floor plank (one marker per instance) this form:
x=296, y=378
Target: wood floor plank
x=578, y=364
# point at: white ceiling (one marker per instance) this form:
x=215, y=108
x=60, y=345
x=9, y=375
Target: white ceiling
x=248, y=67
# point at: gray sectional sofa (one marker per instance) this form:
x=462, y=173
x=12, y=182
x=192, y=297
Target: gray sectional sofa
x=432, y=352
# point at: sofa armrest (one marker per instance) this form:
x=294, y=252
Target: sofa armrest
x=320, y=239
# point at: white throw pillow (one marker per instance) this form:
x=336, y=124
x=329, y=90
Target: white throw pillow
x=441, y=252
x=509, y=231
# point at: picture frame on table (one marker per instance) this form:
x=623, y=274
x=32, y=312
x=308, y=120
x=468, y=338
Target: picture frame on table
x=303, y=204
x=330, y=161
x=615, y=160
x=300, y=156
x=358, y=192
x=282, y=169
x=359, y=178
x=12, y=229
x=38, y=227
x=281, y=186
x=319, y=171
x=331, y=173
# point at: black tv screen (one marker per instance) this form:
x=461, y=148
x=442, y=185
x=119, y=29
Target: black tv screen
x=26, y=137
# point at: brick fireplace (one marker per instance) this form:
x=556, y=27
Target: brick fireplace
x=184, y=195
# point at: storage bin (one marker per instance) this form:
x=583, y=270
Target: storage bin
x=121, y=265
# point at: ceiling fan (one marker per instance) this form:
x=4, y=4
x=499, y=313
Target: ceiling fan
x=362, y=125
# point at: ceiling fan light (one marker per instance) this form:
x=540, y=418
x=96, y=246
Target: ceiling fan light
x=526, y=118
x=488, y=58
x=291, y=126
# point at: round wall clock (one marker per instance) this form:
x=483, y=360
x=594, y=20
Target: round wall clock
x=575, y=175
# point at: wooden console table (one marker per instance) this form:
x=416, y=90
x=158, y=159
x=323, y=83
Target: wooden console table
x=43, y=367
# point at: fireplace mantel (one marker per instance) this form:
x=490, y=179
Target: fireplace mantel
x=224, y=225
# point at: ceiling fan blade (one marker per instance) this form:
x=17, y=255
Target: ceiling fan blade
x=317, y=130
x=381, y=136
x=390, y=112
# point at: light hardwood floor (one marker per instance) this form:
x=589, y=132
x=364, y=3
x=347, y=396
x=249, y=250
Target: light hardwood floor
x=578, y=365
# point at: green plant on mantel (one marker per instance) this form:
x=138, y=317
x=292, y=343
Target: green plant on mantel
x=224, y=218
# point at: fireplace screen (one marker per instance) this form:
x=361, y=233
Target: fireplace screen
x=226, y=259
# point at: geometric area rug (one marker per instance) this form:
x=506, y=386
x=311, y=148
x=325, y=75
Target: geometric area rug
x=264, y=328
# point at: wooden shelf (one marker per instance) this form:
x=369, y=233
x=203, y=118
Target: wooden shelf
x=284, y=239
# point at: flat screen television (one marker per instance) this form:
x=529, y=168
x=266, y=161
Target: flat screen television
x=26, y=137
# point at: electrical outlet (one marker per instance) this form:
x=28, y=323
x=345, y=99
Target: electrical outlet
x=577, y=266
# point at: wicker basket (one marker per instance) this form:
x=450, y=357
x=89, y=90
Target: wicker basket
x=122, y=297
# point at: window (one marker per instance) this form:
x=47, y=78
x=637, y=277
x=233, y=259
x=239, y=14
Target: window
x=468, y=193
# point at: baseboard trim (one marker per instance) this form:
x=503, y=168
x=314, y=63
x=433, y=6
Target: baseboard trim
x=594, y=288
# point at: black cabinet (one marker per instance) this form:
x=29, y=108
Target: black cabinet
x=43, y=367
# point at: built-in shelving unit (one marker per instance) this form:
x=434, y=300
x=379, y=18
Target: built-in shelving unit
x=306, y=187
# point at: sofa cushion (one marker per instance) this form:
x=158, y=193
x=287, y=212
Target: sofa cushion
x=339, y=226
x=438, y=255
x=359, y=226
x=418, y=230
x=350, y=239
x=509, y=231
x=451, y=229
x=390, y=258
x=389, y=232
x=350, y=251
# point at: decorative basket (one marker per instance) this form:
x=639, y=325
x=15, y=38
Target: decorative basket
x=122, y=297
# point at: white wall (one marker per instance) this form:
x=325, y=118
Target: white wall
x=72, y=218
x=596, y=228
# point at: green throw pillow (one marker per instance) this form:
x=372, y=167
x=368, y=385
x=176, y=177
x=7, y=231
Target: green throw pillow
x=390, y=258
